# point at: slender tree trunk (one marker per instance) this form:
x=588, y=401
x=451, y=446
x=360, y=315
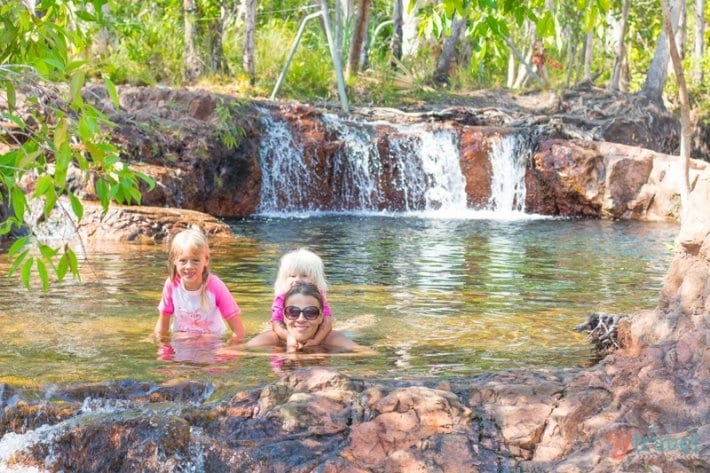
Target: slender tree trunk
x=511, y=71
x=684, y=108
x=410, y=23
x=249, y=40
x=363, y=16
x=589, y=42
x=522, y=73
x=217, y=59
x=339, y=13
x=572, y=54
x=613, y=85
x=657, y=70
x=397, y=35
x=448, y=52
x=193, y=67
x=699, y=42
x=681, y=35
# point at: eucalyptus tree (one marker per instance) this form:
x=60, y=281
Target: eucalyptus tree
x=699, y=41
x=193, y=64
x=47, y=128
x=684, y=107
x=657, y=70
x=614, y=84
x=248, y=56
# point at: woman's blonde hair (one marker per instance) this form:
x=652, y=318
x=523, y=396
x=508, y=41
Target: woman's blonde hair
x=191, y=239
x=300, y=261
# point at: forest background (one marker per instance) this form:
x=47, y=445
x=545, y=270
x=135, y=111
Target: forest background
x=399, y=53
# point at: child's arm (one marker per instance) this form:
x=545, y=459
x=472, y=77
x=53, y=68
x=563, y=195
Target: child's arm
x=235, y=323
x=162, y=327
x=322, y=332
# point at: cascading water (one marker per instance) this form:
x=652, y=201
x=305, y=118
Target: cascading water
x=285, y=172
x=430, y=169
x=508, y=159
x=419, y=171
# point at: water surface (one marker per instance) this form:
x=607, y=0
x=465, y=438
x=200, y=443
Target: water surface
x=432, y=297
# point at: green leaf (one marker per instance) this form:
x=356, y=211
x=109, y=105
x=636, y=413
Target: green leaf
x=17, y=246
x=62, y=267
x=76, y=206
x=43, y=185
x=7, y=225
x=60, y=133
x=11, y=96
x=19, y=203
x=43, y=276
x=17, y=262
x=47, y=251
x=77, y=82
x=73, y=264
x=26, y=271
x=85, y=15
x=111, y=88
x=73, y=65
x=15, y=119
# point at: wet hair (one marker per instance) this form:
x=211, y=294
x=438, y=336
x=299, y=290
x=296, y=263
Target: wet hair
x=300, y=261
x=191, y=239
x=305, y=289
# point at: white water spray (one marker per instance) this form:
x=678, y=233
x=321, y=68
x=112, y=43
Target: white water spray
x=508, y=161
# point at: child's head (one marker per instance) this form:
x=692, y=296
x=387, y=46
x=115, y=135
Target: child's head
x=189, y=258
x=303, y=311
x=300, y=266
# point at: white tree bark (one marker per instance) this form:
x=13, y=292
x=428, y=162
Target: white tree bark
x=699, y=41
x=193, y=67
x=249, y=40
x=397, y=35
x=657, y=70
x=615, y=80
x=684, y=109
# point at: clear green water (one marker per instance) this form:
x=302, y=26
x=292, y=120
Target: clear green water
x=432, y=297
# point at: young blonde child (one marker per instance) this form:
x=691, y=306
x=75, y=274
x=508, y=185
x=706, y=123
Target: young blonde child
x=194, y=300
x=297, y=267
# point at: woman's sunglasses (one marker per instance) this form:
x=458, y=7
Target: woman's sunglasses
x=310, y=313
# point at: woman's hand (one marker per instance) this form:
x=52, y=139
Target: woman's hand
x=292, y=344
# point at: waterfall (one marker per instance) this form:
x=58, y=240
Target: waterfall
x=508, y=159
x=381, y=166
x=284, y=172
x=431, y=177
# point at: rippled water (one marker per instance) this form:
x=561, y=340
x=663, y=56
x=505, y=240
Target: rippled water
x=432, y=297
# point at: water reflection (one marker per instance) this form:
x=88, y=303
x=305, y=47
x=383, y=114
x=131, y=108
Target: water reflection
x=432, y=297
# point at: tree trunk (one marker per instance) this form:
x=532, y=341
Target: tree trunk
x=217, y=58
x=572, y=54
x=511, y=71
x=397, y=35
x=613, y=85
x=249, y=34
x=657, y=70
x=684, y=109
x=699, y=43
x=448, y=52
x=193, y=67
x=588, y=56
x=361, y=23
x=410, y=24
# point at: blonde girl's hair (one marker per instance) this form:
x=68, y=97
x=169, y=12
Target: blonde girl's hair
x=300, y=261
x=191, y=239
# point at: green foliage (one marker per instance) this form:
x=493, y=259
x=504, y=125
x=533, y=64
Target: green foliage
x=226, y=130
x=53, y=130
x=310, y=73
